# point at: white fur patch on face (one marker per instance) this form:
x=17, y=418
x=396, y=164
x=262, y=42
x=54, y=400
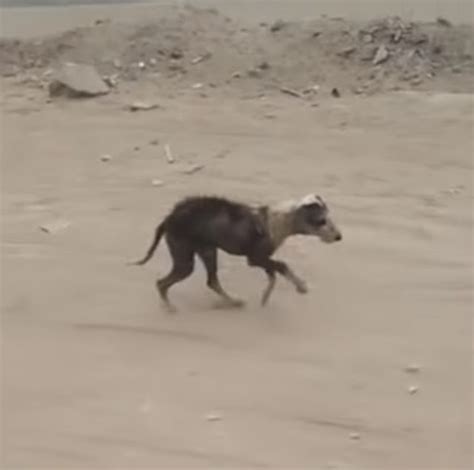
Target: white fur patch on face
x=311, y=199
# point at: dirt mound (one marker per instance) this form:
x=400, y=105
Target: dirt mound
x=193, y=46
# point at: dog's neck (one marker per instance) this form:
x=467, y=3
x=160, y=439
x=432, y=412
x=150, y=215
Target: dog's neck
x=279, y=221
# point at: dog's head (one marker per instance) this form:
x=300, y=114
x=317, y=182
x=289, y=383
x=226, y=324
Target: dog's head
x=312, y=218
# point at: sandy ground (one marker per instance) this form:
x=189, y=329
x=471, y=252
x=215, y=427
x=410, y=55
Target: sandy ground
x=96, y=375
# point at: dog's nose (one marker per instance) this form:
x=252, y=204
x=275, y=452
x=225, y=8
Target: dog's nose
x=338, y=237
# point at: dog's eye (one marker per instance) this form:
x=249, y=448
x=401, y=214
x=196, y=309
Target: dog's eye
x=319, y=222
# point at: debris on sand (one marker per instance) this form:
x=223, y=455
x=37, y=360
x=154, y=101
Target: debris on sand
x=412, y=368
x=168, y=154
x=201, y=58
x=55, y=226
x=77, y=81
x=142, y=106
x=213, y=417
x=381, y=55
x=193, y=168
x=105, y=157
x=289, y=91
x=278, y=25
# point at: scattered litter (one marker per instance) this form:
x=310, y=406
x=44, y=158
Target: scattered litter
x=142, y=106
x=105, y=158
x=197, y=86
x=193, y=168
x=335, y=93
x=412, y=368
x=201, y=58
x=381, y=55
x=213, y=417
x=355, y=436
x=55, y=226
x=291, y=92
x=157, y=182
x=169, y=154
x=413, y=389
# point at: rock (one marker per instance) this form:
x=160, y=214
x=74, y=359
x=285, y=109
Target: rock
x=141, y=65
x=176, y=54
x=381, y=55
x=157, y=182
x=368, y=53
x=412, y=368
x=443, y=22
x=263, y=65
x=197, y=86
x=316, y=34
x=55, y=226
x=142, y=106
x=346, y=51
x=111, y=80
x=367, y=38
x=169, y=154
x=355, y=436
x=335, y=93
x=213, y=417
x=154, y=142
x=105, y=158
x=413, y=389
x=77, y=81
x=277, y=26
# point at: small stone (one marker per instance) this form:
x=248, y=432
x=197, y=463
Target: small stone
x=176, y=54
x=105, y=158
x=355, y=436
x=236, y=75
x=201, y=58
x=197, y=86
x=413, y=389
x=412, y=368
x=335, y=93
x=213, y=417
x=381, y=55
x=55, y=226
x=443, y=22
x=157, y=182
x=277, y=26
x=346, y=51
x=154, y=142
x=141, y=65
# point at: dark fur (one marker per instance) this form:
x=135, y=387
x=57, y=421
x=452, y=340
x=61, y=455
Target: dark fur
x=202, y=225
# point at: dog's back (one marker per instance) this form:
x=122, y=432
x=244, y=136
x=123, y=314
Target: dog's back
x=214, y=221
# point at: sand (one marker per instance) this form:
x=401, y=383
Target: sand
x=95, y=374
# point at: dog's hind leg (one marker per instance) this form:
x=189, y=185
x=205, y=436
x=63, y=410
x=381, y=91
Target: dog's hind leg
x=209, y=258
x=182, y=256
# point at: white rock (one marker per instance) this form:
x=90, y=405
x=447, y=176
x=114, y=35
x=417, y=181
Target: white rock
x=157, y=182
x=381, y=55
x=412, y=389
x=106, y=157
x=213, y=417
x=355, y=436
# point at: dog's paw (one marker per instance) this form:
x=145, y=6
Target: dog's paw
x=301, y=287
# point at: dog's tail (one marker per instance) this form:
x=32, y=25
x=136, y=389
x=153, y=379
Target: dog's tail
x=160, y=230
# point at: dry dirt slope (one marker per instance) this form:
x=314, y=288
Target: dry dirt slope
x=95, y=375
